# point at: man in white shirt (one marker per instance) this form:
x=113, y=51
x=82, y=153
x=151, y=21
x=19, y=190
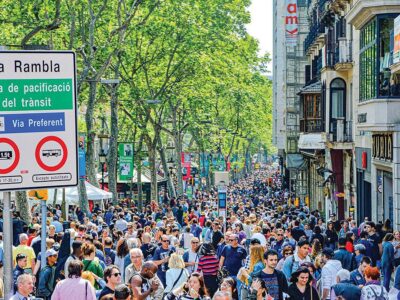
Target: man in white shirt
x=190, y=257
x=121, y=223
x=328, y=274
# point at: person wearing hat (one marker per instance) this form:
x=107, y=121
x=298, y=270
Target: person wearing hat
x=329, y=271
x=46, y=276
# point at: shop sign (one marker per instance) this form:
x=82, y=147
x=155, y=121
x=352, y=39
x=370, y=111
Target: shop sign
x=396, y=50
x=291, y=23
x=382, y=146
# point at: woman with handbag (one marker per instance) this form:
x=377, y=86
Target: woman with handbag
x=177, y=273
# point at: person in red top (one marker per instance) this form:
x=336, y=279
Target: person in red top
x=32, y=233
x=350, y=237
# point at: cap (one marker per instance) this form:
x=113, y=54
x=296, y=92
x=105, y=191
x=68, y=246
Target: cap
x=328, y=252
x=51, y=252
x=359, y=247
x=255, y=241
x=20, y=256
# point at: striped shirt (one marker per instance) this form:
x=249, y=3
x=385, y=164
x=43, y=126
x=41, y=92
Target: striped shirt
x=209, y=264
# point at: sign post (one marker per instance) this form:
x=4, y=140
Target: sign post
x=125, y=165
x=38, y=136
x=222, y=191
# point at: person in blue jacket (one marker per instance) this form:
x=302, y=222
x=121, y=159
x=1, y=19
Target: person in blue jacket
x=387, y=259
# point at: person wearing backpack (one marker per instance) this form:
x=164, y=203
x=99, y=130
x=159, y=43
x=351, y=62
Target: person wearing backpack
x=109, y=253
x=373, y=290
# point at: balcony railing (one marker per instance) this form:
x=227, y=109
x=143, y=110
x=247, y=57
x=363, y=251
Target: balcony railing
x=341, y=130
x=343, y=53
x=315, y=30
x=311, y=125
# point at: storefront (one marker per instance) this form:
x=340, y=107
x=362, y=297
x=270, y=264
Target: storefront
x=363, y=165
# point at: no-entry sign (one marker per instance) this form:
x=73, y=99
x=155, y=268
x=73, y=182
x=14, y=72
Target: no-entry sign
x=38, y=136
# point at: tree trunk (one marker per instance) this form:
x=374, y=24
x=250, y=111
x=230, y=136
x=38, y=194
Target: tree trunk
x=153, y=171
x=83, y=199
x=139, y=180
x=113, y=150
x=55, y=197
x=90, y=148
x=178, y=162
x=63, y=203
x=23, y=206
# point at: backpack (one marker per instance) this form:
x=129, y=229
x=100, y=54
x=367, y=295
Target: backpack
x=108, y=260
x=381, y=296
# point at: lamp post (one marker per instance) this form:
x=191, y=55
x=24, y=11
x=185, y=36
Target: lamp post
x=103, y=155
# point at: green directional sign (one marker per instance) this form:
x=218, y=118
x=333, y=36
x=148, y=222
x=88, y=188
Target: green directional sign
x=125, y=163
x=36, y=94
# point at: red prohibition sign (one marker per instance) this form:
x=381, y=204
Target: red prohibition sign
x=64, y=153
x=16, y=151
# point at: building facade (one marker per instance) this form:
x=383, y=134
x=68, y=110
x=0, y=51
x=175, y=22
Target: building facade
x=350, y=108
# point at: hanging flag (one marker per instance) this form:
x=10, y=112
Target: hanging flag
x=125, y=165
x=291, y=23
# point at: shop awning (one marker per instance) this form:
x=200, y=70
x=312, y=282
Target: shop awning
x=312, y=141
x=295, y=161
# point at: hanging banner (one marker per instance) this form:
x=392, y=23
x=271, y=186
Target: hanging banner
x=82, y=155
x=291, y=23
x=186, y=159
x=204, y=164
x=125, y=162
x=396, y=50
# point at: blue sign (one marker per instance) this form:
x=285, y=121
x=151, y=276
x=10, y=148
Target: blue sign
x=38, y=122
x=82, y=155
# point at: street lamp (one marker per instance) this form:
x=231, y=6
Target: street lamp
x=103, y=155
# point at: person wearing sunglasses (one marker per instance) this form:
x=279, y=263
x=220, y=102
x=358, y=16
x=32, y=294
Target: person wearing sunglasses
x=161, y=258
x=112, y=276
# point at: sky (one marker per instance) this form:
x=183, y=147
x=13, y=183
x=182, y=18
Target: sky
x=261, y=26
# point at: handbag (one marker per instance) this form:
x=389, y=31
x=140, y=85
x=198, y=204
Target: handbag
x=176, y=281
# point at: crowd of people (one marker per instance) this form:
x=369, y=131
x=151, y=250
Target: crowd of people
x=184, y=249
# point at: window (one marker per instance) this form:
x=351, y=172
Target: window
x=375, y=58
x=368, y=50
x=338, y=101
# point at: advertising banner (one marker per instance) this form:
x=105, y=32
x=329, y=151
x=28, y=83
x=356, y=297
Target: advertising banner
x=125, y=161
x=291, y=23
x=396, y=49
x=82, y=155
x=186, y=159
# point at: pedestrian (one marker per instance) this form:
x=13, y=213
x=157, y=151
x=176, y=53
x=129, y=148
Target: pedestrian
x=273, y=279
x=228, y=285
x=90, y=263
x=74, y=286
x=176, y=273
x=301, y=287
x=122, y=292
x=331, y=236
x=47, y=275
x=23, y=248
x=161, y=257
x=387, y=259
x=143, y=283
x=191, y=257
x=329, y=271
x=25, y=287
x=373, y=289
x=194, y=288
x=76, y=254
x=19, y=269
x=344, y=287
x=357, y=275
x=293, y=262
x=208, y=266
x=346, y=258
x=112, y=276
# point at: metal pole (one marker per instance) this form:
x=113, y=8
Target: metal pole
x=8, y=245
x=43, y=235
x=102, y=176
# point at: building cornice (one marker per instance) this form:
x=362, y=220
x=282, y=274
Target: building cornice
x=364, y=10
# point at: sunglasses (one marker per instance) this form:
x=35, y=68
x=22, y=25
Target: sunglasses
x=165, y=241
x=231, y=240
x=288, y=253
x=195, y=242
x=116, y=274
x=279, y=234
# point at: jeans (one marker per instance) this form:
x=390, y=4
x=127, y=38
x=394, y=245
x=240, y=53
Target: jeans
x=387, y=275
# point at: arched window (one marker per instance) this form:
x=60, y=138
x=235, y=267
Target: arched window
x=338, y=99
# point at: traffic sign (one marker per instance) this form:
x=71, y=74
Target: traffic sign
x=38, y=124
